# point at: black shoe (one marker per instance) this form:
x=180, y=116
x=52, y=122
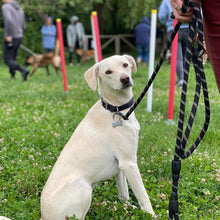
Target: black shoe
x=13, y=75
x=24, y=74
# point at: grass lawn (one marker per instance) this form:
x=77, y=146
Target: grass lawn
x=38, y=118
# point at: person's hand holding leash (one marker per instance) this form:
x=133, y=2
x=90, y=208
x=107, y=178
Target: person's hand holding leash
x=177, y=11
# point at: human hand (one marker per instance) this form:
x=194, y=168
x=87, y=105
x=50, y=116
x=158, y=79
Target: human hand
x=177, y=11
x=8, y=39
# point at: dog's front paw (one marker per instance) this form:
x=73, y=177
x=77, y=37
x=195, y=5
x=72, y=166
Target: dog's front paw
x=155, y=216
x=149, y=210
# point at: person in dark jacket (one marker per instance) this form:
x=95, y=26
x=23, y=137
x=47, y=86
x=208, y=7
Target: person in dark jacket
x=48, y=32
x=142, y=40
x=14, y=26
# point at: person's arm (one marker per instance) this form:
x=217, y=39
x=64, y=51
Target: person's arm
x=177, y=12
x=163, y=13
x=82, y=32
x=44, y=30
x=69, y=38
x=24, y=22
x=7, y=23
x=53, y=32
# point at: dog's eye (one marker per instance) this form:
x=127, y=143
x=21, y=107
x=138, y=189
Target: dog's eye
x=125, y=65
x=108, y=72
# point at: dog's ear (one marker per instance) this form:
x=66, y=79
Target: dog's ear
x=91, y=75
x=132, y=62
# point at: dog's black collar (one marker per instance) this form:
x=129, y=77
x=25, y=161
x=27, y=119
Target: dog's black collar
x=113, y=108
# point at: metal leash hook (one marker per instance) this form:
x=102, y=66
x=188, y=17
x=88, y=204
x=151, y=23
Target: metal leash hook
x=181, y=141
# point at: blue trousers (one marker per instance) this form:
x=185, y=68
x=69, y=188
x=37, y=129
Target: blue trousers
x=181, y=53
x=143, y=52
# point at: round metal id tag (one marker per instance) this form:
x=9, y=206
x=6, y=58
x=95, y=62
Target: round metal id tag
x=117, y=120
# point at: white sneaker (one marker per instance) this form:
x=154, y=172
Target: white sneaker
x=71, y=64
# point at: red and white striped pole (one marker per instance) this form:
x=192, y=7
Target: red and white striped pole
x=96, y=36
x=172, y=77
x=62, y=54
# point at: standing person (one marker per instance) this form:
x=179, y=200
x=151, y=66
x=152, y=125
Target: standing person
x=75, y=37
x=211, y=18
x=48, y=32
x=164, y=13
x=14, y=26
x=142, y=40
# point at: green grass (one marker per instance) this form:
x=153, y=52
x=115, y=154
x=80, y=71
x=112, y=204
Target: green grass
x=38, y=118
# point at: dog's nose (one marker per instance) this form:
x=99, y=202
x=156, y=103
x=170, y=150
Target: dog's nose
x=124, y=79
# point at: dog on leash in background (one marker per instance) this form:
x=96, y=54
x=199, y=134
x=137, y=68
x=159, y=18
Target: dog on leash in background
x=43, y=60
x=85, y=54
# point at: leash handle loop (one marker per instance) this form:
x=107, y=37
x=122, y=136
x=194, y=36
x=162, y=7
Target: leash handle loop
x=194, y=54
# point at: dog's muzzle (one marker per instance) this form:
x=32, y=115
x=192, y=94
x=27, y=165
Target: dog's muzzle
x=126, y=81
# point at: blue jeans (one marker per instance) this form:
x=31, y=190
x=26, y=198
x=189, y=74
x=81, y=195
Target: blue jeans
x=181, y=53
x=143, y=52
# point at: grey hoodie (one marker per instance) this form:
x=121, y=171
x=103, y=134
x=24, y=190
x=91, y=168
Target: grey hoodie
x=74, y=32
x=14, y=19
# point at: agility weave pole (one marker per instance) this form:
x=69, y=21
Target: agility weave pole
x=62, y=53
x=172, y=77
x=193, y=54
x=96, y=36
x=151, y=57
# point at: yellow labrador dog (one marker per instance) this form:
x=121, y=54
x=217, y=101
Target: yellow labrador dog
x=101, y=147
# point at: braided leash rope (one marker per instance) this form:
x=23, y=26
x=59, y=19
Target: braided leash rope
x=181, y=141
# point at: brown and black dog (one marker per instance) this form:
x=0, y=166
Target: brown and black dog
x=85, y=54
x=43, y=60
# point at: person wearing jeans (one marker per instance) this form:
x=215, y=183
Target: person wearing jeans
x=142, y=40
x=164, y=13
x=143, y=53
x=211, y=22
x=14, y=25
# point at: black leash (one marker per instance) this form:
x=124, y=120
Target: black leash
x=181, y=141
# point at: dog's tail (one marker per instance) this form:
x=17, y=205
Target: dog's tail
x=57, y=47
